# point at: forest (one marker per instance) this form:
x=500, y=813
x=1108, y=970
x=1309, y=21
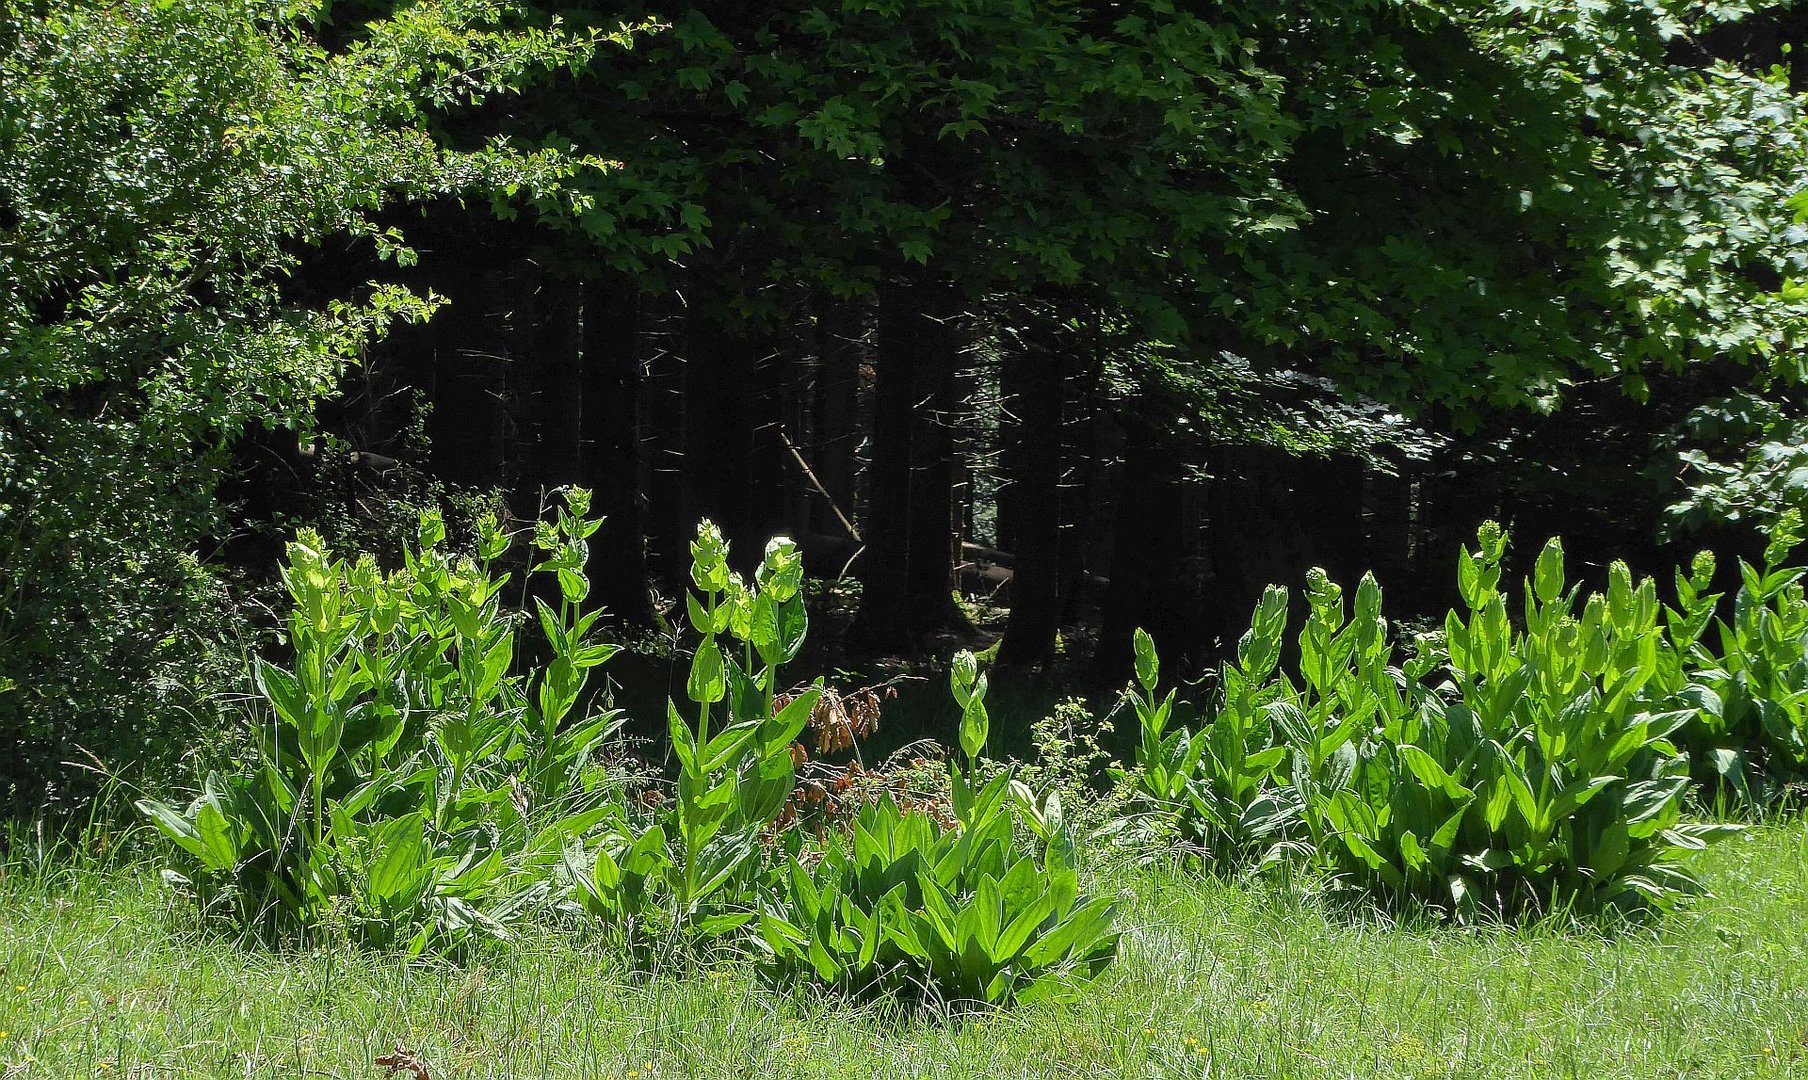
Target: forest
x=611, y=540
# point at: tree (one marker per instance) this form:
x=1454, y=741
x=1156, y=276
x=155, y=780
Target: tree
x=1451, y=209
x=161, y=165
x=1492, y=202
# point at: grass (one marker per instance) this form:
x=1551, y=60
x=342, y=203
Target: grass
x=102, y=975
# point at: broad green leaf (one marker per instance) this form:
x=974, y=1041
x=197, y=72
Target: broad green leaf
x=707, y=683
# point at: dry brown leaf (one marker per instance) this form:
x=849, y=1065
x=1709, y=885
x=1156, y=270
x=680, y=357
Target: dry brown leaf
x=403, y=1061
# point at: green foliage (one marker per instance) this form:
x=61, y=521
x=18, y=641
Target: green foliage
x=411, y=787
x=1470, y=204
x=1612, y=208
x=409, y=784
x=1506, y=768
x=1465, y=204
x=1072, y=761
x=1536, y=774
x=1748, y=682
x=970, y=913
x=163, y=164
x=1741, y=460
x=688, y=867
x=1216, y=786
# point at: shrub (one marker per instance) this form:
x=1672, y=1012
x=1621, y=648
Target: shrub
x=688, y=867
x=1749, y=729
x=165, y=165
x=408, y=785
x=1507, y=769
x=971, y=912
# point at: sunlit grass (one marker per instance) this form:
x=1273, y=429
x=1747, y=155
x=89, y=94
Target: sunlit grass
x=100, y=974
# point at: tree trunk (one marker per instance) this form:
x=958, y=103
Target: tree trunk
x=1086, y=446
x=611, y=432
x=557, y=458
x=1388, y=525
x=934, y=542
x=669, y=528
x=1149, y=576
x=883, y=620
x=1032, y=377
x=468, y=425
x=771, y=477
x=1274, y=516
x=718, y=431
x=841, y=330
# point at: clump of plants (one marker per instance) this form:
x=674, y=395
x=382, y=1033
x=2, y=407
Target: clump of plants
x=1746, y=676
x=1512, y=766
x=410, y=783
x=986, y=909
x=981, y=903
x=1526, y=767
x=686, y=866
x=1215, y=788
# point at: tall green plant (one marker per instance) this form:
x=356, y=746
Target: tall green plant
x=688, y=867
x=408, y=783
x=972, y=912
x=1217, y=786
x=1749, y=729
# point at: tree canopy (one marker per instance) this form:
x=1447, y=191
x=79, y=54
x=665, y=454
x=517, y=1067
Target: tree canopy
x=1050, y=272
x=162, y=167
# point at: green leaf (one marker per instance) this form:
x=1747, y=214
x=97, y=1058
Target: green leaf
x=707, y=683
x=778, y=733
x=1430, y=773
x=683, y=743
x=282, y=691
x=1086, y=928
x=172, y=825
x=728, y=745
x=974, y=726
x=400, y=873
x=764, y=790
x=1147, y=664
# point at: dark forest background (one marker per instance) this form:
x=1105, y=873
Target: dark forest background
x=1032, y=323
x=926, y=425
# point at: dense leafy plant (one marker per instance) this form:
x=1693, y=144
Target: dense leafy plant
x=1739, y=460
x=972, y=912
x=164, y=164
x=1536, y=773
x=686, y=868
x=409, y=784
x=1503, y=769
x=1749, y=730
x=1216, y=786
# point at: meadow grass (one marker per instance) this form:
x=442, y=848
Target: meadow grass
x=102, y=973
